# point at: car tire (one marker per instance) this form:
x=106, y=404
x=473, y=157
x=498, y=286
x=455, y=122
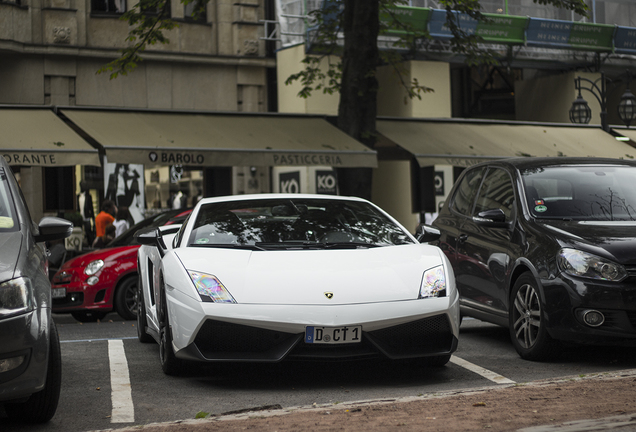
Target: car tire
x=142, y=321
x=170, y=364
x=41, y=406
x=527, y=321
x=88, y=316
x=126, y=298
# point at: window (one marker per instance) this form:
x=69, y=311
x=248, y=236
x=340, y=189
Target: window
x=466, y=191
x=108, y=6
x=59, y=193
x=496, y=193
x=195, y=11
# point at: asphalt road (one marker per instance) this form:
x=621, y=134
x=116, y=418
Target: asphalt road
x=99, y=358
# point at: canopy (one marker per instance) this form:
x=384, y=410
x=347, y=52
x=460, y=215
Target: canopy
x=465, y=143
x=37, y=137
x=204, y=139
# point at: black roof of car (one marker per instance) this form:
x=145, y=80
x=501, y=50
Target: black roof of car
x=536, y=162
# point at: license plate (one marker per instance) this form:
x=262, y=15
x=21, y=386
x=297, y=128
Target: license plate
x=58, y=292
x=333, y=335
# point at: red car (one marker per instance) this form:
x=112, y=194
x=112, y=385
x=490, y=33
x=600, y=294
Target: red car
x=91, y=285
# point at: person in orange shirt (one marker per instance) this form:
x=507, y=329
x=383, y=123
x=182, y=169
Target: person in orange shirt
x=105, y=217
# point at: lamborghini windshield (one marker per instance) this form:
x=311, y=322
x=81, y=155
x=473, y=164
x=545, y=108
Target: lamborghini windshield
x=285, y=223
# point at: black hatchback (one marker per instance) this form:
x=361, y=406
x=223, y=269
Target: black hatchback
x=546, y=247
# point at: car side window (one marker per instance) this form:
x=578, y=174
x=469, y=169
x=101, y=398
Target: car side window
x=496, y=192
x=464, y=196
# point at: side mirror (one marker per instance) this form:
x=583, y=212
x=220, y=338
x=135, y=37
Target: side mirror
x=53, y=228
x=427, y=234
x=492, y=217
x=151, y=237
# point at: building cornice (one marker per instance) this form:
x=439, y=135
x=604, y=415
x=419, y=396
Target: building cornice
x=7, y=46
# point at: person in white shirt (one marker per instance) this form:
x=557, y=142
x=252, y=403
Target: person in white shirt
x=121, y=221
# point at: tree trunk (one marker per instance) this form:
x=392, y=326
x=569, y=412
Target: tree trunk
x=359, y=87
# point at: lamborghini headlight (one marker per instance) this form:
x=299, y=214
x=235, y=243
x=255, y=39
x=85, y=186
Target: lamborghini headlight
x=93, y=267
x=16, y=297
x=582, y=264
x=210, y=289
x=433, y=283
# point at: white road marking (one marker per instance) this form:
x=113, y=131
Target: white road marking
x=97, y=340
x=121, y=391
x=481, y=371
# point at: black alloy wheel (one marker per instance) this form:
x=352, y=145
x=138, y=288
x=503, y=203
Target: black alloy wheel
x=527, y=321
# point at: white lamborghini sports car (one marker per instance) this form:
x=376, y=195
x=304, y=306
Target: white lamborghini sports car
x=262, y=278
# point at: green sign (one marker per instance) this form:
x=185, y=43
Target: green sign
x=592, y=36
x=502, y=28
x=404, y=19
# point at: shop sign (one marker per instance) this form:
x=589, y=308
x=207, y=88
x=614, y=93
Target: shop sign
x=290, y=182
x=176, y=158
x=299, y=159
x=326, y=182
x=30, y=159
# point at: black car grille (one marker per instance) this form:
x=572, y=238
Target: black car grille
x=221, y=339
x=426, y=336
x=218, y=340
x=631, y=272
x=631, y=316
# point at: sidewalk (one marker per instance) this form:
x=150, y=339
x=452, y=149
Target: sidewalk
x=580, y=403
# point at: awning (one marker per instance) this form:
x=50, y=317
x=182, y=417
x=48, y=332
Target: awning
x=467, y=143
x=37, y=137
x=629, y=133
x=203, y=139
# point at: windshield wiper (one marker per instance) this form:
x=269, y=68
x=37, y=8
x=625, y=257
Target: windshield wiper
x=349, y=245
x=303, y=244
x=293, y=244
x=228, y=246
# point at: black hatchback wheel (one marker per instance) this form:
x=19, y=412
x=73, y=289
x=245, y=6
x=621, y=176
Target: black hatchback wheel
x=527, y=321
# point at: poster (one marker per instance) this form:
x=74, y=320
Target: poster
x=124, y=184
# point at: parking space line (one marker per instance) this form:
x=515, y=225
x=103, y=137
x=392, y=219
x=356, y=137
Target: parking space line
x=121, y=391
x=97, y=340
x=481, y=371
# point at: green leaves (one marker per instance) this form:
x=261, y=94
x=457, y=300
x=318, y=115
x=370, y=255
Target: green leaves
x=149, y=18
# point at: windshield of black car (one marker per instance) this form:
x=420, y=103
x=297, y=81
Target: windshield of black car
x=8, y=217
x=295, y=223
x=581, y=192
x=127, y=237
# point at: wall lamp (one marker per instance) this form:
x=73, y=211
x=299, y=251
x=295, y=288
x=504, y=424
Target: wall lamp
x=581, y=113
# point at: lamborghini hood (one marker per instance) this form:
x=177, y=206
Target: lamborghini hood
x=328, y=277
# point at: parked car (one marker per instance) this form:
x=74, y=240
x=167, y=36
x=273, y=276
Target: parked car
x=262, y=278
x=91, y=285
x=546, y=247
x=30, y=358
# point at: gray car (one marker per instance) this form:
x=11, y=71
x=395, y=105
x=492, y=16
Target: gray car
x=30, y=360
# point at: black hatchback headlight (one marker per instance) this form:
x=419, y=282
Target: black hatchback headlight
x=15, y=297
x=582, y=264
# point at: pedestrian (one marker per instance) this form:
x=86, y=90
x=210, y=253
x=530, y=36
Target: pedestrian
x=105, y=217
x=121, y=221
x=109, y=235
x=85, y=206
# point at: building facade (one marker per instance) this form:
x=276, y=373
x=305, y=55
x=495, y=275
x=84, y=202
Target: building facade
x=540, y=49
x=51, y=52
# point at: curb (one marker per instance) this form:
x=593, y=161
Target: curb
x=612, y=422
